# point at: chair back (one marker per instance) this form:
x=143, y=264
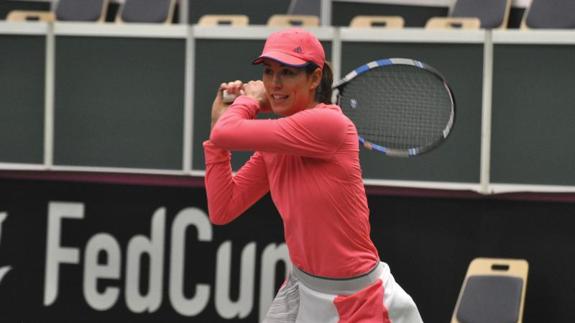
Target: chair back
x=549, y=14
x=493, y=291
x=377, y=22
x=81, y=10
x=224, y=20
x=493, y=14
x=293, y=20
x=453, y=23
x=146, y=11
x=30, y=15
x=305, y=7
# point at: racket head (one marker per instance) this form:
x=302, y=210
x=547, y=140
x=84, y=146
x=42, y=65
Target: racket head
x=400, y=107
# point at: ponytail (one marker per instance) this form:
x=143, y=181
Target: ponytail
x=324, y=91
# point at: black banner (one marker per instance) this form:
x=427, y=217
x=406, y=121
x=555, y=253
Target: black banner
x=72, y=252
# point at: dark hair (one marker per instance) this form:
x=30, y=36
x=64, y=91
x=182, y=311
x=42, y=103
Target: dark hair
x=323, y=92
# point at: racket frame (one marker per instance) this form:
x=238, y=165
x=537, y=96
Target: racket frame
x=382, y=63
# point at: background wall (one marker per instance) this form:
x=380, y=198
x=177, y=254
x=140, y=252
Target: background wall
x=428, y=239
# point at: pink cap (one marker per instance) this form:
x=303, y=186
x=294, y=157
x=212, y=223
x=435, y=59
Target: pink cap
x=294, y=47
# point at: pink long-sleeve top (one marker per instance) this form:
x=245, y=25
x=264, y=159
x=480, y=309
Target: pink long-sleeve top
x=309, y=162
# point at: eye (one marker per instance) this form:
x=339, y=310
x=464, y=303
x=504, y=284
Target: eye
x=288, y=72
x=268, y=71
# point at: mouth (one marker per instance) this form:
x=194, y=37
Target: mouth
x=279, y=98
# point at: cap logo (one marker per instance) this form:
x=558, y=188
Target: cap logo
x=298, y=50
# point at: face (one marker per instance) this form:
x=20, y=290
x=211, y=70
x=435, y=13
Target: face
x=289, y=89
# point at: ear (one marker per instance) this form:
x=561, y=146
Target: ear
x=315, y=78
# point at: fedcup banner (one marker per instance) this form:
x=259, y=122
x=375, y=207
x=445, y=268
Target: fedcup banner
x=73, y=252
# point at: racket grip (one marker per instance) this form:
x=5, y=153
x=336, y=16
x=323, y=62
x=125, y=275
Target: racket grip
x=227, y=97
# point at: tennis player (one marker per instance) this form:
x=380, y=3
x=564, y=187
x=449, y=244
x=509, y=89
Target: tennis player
x=309, y=162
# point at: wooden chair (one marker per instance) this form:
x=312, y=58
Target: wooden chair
x=30, y=15
x=377, y=22
x=493, y=291
x=293, y=20
x=224, y=20
x=453, y=23
x=146, y=11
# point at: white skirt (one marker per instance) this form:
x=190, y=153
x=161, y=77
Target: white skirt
x=371, y=298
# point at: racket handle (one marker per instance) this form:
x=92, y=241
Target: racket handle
x=227, y=97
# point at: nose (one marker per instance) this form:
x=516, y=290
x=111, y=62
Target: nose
x=277, y=80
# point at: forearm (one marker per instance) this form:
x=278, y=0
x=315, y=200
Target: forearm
x=220, y=193
x=316, y=133
x=229, y=196
x=225, y=131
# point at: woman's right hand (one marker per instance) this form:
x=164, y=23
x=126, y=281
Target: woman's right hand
x=219, y=106
x=253, y=89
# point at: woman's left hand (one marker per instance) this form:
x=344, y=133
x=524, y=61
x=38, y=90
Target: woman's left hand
x=257, y=91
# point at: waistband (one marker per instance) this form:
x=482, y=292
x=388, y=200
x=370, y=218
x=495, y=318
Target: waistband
x=336, y=285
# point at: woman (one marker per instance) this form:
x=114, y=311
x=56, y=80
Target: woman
x=309, y=162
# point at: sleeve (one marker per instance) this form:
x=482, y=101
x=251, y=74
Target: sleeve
x=230, y=195
x=317, y=132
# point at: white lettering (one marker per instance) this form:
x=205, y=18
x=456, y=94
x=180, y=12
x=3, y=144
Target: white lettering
x=56, y=254
x=154, y=247
x=3, y=270
x=103, y=261
x=3, y=216
x=184, y=219
x=243, y=306
x=93, y=271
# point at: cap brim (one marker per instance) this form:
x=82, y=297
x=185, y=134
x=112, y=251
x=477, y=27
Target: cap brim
x=282, y=59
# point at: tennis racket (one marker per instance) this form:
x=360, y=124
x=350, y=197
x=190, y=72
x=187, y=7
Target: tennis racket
x=400, y=107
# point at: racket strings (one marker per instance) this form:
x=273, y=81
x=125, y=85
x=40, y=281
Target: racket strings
x=399, y=107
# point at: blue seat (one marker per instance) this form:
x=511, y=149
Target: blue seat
x=81, y=10
x=147, y=11
x=550, y=14
x=486, y=14
x=305, y=7
x=493, y=14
